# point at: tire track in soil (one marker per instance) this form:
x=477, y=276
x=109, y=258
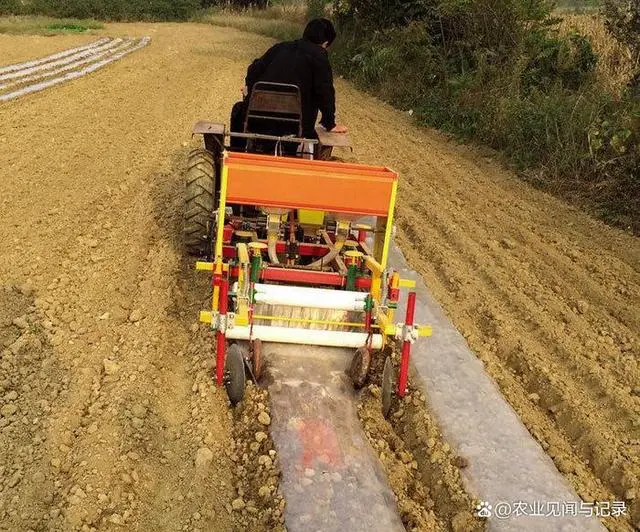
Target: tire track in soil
x=256, y=503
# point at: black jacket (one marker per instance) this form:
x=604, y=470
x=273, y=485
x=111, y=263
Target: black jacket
x=306, y=65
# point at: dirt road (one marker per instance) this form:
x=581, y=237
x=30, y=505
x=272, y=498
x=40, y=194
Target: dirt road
x=118, y=415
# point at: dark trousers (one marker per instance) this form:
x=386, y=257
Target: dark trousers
x=238, y=112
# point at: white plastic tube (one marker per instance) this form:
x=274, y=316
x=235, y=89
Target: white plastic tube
x=291, y=335
x=271, y=248
x=279, y=288
x=296, y=296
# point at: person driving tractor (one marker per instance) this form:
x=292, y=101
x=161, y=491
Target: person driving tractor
x=304, y=63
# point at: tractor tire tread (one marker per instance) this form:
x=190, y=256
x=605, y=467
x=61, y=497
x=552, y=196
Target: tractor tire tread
x=200, y=182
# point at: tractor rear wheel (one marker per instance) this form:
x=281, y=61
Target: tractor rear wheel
x=199, y=203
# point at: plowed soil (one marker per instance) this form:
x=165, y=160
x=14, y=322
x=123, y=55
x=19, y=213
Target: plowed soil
x=108, y=394
x=19, y=48
x=548, y=298
x=120, y=419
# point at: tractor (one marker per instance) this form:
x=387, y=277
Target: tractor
x=296, y=244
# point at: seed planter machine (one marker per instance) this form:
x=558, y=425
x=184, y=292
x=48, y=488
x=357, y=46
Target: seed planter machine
x=298, y=254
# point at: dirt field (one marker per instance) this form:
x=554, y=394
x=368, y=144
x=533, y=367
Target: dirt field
x=108, y=415
x=87, y=224
x=548, y=298
x=17, y=48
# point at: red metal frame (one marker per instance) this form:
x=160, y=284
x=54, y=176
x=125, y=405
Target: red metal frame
x=310, y=277
x=302, y=276
x=406, y=346
x=221, y=346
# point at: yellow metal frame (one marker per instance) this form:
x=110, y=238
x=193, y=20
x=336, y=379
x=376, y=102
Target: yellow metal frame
x=242, y=316
x=376, y=263
x=389, y=329
x=389, y=226
x=224, y=179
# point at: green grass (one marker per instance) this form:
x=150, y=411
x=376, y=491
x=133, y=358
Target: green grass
x=71, y=27
x=578, y=6
x=38, y=25
x=282, y=30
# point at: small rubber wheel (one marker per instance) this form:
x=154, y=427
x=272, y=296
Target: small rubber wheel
x=256, y=358
x=359, y=368
x=234, y=374
x=388, y=383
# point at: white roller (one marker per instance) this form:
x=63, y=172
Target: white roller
x=278, y=288
x=309, y=301
x=296, y=296
x=291, y=335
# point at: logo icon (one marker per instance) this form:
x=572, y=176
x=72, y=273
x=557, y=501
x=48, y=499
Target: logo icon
x=483, y=509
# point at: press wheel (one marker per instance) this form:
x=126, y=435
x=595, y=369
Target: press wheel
x=388, y=384
x=234, y=374
x=360, y=367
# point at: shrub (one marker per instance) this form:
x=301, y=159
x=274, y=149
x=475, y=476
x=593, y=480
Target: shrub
x=10, y=7
x=623, y=21
x=117, y=9
x=317, y=8
x=499, y=71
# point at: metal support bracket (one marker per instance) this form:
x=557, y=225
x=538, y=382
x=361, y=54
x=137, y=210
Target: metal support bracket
x=407, y=333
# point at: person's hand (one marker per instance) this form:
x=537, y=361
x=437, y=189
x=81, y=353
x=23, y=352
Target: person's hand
x=338, y=129
x=245, y=91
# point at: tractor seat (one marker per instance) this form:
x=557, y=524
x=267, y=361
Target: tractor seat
x=273, y=109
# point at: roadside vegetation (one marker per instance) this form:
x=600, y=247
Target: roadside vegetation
x=255, y=22
x=122, y=10
x=39, y=25
x=509, y=75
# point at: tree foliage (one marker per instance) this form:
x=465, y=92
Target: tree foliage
x=105, y=9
